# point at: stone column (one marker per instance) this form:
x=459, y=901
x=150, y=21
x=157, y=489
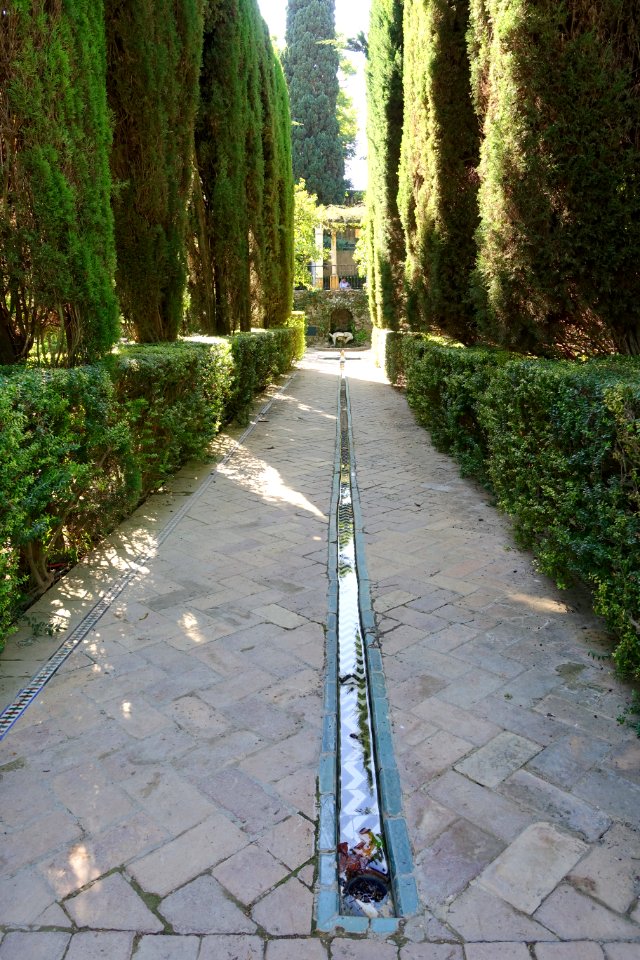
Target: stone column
x=335, y=280
x=318, y=266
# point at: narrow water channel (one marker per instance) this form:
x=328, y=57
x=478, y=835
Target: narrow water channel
x=362, y=859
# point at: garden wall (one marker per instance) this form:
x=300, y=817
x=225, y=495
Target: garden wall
x=330, y=310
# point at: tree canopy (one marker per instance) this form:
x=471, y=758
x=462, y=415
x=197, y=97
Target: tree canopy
x=386, y=246
x=311, y=63
x=438, y=184
x=243, y=195
x=98, y=105
x=56, y=227
x=556, y=91
x=307, y=216
x=154, y=59
x=518, y=186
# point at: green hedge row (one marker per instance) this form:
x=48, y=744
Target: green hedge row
x=257, y=356
x=80, y=448
x=559, y=444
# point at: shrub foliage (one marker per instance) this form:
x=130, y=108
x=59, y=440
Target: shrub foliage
x=559, y=444
x=80, y=448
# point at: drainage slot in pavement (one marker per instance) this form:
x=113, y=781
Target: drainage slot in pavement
x=363, y=872
x=367, y=888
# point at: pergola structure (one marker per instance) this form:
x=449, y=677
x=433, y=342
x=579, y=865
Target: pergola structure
x=345, y=221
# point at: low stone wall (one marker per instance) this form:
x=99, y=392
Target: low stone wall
x=330, y=310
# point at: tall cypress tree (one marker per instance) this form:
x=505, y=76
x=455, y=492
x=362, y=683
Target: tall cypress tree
x=285, y=198
x=258, y=118
x=154, y=59
x=56, y=228
x=243, y=191
x=438, y=181
x=221, y=148
x=385, y=108
x=556, y=89
x=277, y=258
x=311, y=67
x=269, y=180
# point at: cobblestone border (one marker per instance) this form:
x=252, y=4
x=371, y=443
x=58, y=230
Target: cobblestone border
x=395, y=827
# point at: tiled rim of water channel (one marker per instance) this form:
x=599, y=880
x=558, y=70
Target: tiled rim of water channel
x=12, y=713
x=394, y=827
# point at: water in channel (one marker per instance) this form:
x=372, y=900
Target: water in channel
x=362, y=861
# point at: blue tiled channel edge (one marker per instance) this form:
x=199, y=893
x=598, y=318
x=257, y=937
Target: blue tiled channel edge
x=394, y=824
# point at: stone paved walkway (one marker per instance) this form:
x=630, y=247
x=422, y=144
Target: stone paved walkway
x=158, y=799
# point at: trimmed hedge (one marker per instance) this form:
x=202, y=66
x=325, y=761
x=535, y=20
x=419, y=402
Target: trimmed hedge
x=559, y=444
x=443, y=387
x=256, y=357
x=174, y=399
x=402, y=350
x=80, y=448
x=393, y=355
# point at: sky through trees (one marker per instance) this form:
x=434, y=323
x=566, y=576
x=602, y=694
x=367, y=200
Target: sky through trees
x=351, y=18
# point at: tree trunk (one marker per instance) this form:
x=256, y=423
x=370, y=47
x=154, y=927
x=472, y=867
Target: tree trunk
x=40, y=577
x=13, y=345
x=206, y=263
x=628, y=342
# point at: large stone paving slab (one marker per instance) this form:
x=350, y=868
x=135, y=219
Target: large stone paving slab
x=35, y=946
x=159, y=795
x=532, y=867
x=187, y=855
x=496, y=760
x=112, y=904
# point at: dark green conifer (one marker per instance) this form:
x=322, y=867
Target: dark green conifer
x=269, y=181
x=242, y=257
x=385, y=107
x=311, y=64
x=556, y=89
x=438, y=192
x=222, y=133
x=154, y=52
x=258, y=121
x=277, y=258
x=56, y=228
